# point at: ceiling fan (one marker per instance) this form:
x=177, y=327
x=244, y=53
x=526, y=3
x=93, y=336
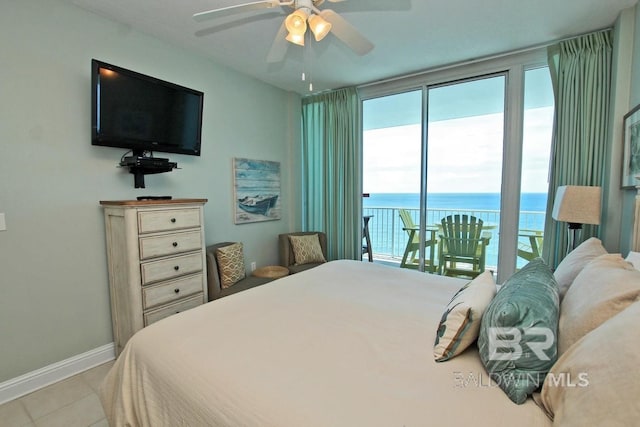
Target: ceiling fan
x=305, y=15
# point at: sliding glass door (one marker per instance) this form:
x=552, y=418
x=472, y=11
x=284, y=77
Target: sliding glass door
x=459, y=142
x=448, y=155
x=392, y=165
x=465, y=141
x=536, y=152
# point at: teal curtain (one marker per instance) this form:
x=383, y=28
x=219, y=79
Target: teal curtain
x=331, y=169
x=581, y=74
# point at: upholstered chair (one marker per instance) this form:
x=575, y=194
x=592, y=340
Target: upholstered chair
x=214, y=279
x=288, y=255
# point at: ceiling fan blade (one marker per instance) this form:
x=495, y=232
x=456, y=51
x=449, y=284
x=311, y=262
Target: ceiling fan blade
x=279, y=47
x=373, y=5
x=347, y=33
x=232, y=10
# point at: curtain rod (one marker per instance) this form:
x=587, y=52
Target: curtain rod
x=480, y=59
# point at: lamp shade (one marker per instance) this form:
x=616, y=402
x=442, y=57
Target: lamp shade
x=296, y=22
x=295, y=38
x=319, y=26
x=577, y=204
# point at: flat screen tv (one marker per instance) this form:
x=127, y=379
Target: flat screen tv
x=142, y=113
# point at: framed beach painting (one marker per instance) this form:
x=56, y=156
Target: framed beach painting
x=631, y=157
x=256, y=190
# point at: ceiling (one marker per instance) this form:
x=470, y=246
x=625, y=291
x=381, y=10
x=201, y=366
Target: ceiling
x=409, y=35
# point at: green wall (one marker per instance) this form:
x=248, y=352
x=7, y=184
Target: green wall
x=632, y=26
x=53, y=276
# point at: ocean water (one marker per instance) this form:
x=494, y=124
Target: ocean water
x=536, y=202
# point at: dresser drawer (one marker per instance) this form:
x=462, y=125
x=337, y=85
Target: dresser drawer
x=169, y=244
x=167, y=220
x=153, y=296
x=159, y=314
x=169, y=268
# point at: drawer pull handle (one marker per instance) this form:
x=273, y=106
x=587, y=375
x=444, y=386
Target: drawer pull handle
x=176, y=290
x=176, y=268
x=175, y=244
x=173, y=220
x=177, y=312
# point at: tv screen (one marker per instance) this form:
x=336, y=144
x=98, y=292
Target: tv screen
x=141, y=113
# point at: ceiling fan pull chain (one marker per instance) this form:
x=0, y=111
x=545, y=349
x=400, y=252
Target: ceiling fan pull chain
x=308, y=61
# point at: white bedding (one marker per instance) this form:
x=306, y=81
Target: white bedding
x=344, y=344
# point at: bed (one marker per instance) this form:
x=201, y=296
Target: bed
x=344, y=344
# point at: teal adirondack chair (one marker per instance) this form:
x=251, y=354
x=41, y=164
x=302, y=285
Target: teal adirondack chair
x=462, y=249
x=410, y=258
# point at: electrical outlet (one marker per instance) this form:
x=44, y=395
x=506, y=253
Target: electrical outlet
x=253, y=266
x=3, y=224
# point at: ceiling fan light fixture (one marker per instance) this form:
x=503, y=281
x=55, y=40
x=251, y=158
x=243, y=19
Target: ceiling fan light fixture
x=295, y=38
x=296, y=22
x=319, y=26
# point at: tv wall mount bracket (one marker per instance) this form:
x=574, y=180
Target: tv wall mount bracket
x=140, y=166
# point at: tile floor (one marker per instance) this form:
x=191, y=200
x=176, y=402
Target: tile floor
x=72, y=402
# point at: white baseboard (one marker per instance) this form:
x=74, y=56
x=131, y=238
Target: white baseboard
x=35, y=380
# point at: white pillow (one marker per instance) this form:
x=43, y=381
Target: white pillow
x=575, y=261
x=606, y=286
x=597, y=381
x=634, y=258
x=460, y=323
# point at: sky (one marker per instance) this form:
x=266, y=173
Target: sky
x=465, y=155
x=465, y=138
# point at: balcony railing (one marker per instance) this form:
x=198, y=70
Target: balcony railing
x=389, y=240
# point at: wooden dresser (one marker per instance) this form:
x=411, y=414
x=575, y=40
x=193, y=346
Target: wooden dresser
x=157, y=261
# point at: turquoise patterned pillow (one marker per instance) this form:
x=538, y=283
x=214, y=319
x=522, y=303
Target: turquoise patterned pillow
x=518, y=339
